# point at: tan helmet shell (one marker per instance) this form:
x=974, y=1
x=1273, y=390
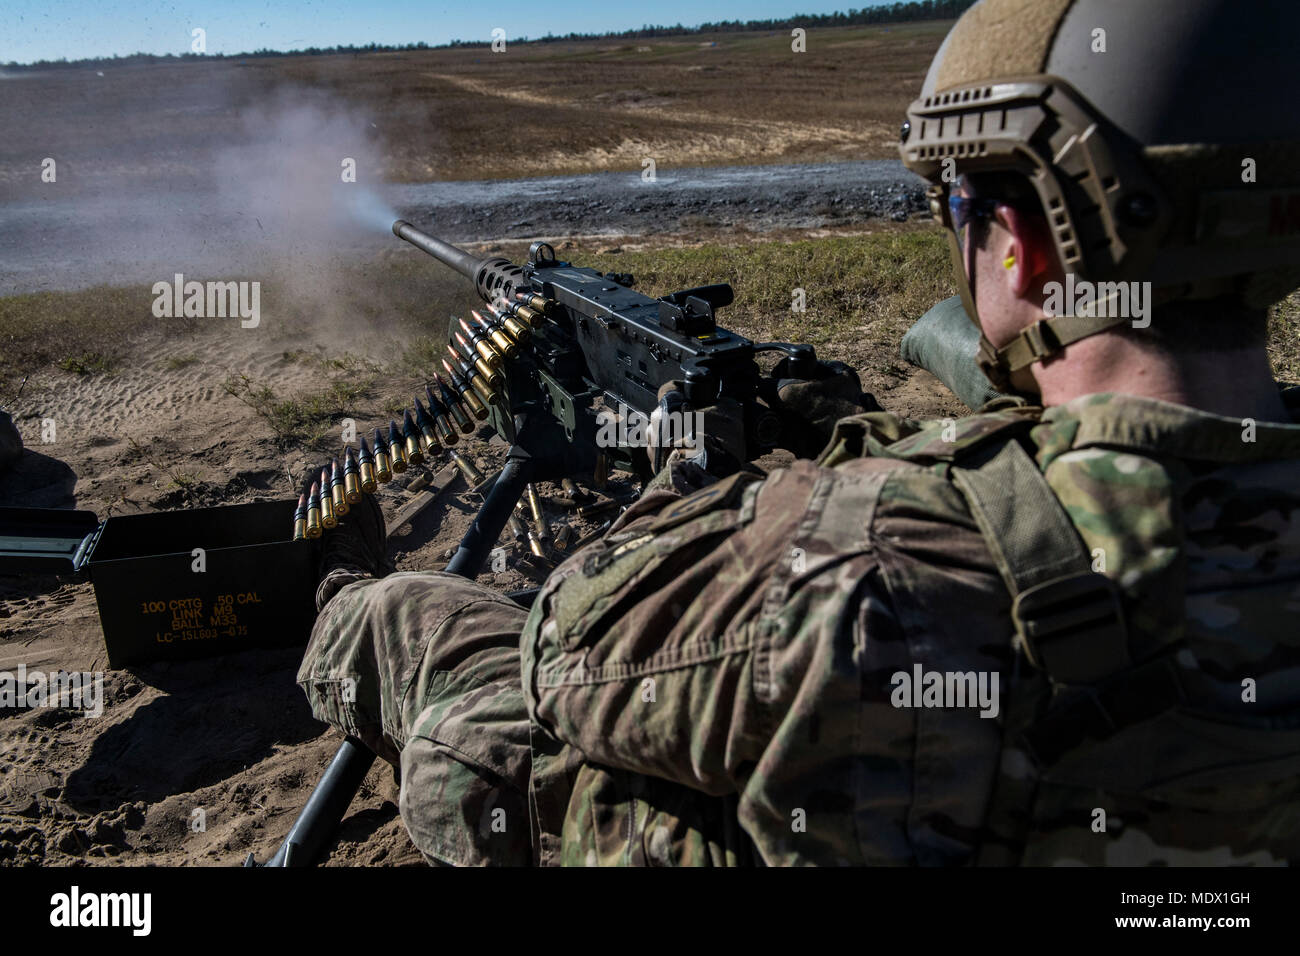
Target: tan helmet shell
x=1162, y=136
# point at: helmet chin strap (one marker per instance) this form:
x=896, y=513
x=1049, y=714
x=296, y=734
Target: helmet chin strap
x=1041, y=340
x=987, y=358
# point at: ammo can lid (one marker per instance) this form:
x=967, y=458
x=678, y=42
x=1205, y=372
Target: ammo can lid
x=45, y=540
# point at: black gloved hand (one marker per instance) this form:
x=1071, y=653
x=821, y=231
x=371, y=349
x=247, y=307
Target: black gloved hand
x=810, y=407
x=717, y=433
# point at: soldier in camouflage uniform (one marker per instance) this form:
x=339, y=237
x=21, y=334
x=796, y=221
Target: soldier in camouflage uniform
x=1061, y=630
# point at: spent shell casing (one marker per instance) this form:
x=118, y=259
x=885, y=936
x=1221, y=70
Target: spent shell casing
x=313, y=512
x=327, y=517
x=500, y=341
x=383, y=464
x=601, y=475
x=396, y=448
x=472, y=401
x=563, y=535
x=488, y=483
x=536, y=545
x=517, y=527
x=539, y=517
x=473, y=477
x=536, y=568
x=411, y=435
x=599, y=508
x=571, y=489
x=452, y=403
x=351, y=477
x=479, y=342
x=439, y=416
x=300, y=518
x=337, y=487
x=366, y=464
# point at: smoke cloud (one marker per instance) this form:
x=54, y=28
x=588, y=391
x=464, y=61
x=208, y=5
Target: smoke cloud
x=217, y=182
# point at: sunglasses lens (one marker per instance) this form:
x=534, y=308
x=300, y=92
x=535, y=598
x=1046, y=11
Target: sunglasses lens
x=959, y=209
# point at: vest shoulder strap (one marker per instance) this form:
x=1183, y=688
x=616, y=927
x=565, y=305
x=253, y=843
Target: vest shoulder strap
x=1068, y=618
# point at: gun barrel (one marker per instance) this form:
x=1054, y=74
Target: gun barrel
x=444, y=252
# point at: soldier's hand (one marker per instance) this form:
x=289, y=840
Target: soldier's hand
x=810, y=407
x=712, y=437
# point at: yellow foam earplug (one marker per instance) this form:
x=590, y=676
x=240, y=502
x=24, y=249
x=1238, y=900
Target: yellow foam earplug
x=1009, y=261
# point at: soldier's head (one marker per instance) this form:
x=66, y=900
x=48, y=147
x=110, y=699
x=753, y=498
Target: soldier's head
x=1114, y=166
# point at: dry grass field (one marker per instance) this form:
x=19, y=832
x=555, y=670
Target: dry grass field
x=534, y=109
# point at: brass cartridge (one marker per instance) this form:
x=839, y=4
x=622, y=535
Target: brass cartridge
x=450, y=404
x=300, y=519
x=327, y=517
x=313, y=512
x=411, y=435
x=337, y=488
x=383, y=465
x=396, y=448
x=351, y=477
x=472, y=401
x=366, y=465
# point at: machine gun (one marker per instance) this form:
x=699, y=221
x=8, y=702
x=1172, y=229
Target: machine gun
x=596, y=347
x=559, y=347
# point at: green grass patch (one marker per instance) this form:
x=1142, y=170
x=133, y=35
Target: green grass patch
x=307, y=419
x=177, y=362
x=82, y=332
x=88, y=363
x=857, y=290
x=1284, y=339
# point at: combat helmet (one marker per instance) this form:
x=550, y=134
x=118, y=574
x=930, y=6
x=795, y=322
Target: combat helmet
x=1162, y=138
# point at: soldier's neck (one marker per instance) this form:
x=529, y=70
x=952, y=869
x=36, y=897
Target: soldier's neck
x=1237, y=384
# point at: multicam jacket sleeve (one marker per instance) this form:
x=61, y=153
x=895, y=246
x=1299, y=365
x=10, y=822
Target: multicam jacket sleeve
x=747, y=640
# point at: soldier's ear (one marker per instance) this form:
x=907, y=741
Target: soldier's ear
x=1026, y=251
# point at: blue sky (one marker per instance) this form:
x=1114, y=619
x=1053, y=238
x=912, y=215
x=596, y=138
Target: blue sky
x=54, y=29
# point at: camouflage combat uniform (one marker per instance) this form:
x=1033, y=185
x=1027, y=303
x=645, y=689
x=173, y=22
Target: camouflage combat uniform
x=715, y=681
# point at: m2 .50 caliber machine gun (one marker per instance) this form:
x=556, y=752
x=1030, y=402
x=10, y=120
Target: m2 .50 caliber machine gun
x=556, y=348
x=569, y=342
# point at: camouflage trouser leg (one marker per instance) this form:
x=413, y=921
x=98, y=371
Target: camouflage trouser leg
x=424, y=668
